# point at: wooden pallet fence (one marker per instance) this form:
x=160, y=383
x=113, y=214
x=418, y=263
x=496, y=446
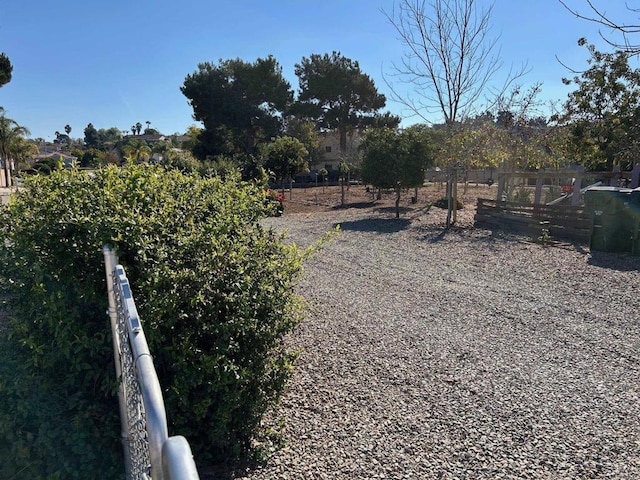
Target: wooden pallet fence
x=562, y=221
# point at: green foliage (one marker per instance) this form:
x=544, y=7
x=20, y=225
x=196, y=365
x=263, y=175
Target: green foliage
x=395, y=159
x=91, y=138
x=12, y=144
x=285, y=157
x=306, y=132
x=91, y=158
x=213, y=288
x=136, y=151
x=101, y=139
x=49, y=164
x=5, y=69
x=545, y=237
x=48, y=431
x=239, y=103
x=183, y=161
x=520, y=194
x=601, y=114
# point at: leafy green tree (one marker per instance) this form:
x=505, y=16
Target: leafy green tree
x=5, y=69
x=285, y=157
x=602, y=113
x=240, y=104
x=67, y=129
x=307, y=133
x=10, y=133
x=384, y=120
x=91, y=158
x=91, y=137
x=336, y=94
x=110, y=137
x=395, y=159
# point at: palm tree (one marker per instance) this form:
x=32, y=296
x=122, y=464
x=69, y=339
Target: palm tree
x=148, y=124
x=136, y=151
x=67, y=129
x=22, y=151
x=133, y=129
x=10, y=132
x=138, y=127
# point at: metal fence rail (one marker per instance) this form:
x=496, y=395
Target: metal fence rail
x=148, y=451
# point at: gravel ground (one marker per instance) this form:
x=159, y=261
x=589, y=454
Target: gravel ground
x=465, y=355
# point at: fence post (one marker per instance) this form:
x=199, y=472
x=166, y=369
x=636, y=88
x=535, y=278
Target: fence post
x=500, y=188
x=615, y=177
x=635, y=176
x=539, y=182
x=577, y=185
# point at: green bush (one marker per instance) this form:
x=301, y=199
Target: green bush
x=215, y=292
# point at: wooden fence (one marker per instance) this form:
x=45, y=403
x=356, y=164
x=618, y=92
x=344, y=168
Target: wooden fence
x=562, y=221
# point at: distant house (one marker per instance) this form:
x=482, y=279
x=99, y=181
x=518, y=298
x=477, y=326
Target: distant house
x=151, y=138
x=330, y=154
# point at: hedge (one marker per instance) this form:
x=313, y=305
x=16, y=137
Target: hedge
x=215, y=291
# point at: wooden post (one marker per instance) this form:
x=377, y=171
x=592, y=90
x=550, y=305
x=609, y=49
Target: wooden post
x=539, y=182
x=500, y=189
x=577, y=185
x=615, y=178
x=455, y=196
x=635, y=176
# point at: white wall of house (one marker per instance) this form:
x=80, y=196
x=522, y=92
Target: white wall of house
x=330, y=150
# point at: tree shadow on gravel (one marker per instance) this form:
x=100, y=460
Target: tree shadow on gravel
x=356, y=205
x=403, y=210
x=376, y=225
x=623, y=262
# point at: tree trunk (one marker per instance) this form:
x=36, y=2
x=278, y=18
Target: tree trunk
x=342, y=191
x=343, y=140
x=398, y=201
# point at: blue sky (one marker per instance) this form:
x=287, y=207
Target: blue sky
x=117, y=63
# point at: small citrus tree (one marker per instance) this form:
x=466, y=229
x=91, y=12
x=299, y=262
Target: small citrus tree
x=395, y=159
x=285, y=157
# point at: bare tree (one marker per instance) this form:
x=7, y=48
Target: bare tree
x=600, y=17
x=450, y=59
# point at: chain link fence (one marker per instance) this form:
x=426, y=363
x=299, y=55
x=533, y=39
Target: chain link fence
x=148, y=451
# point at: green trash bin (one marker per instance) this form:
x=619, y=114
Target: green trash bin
x=611, y=225
x=634, y=209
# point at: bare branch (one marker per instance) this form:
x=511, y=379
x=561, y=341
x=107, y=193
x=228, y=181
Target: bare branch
x=600, y=17
x=450, y=60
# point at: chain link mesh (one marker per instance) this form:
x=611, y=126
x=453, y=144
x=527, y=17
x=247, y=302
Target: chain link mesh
x=138, y=441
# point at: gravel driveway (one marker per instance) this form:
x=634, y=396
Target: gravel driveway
x=463, y=355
